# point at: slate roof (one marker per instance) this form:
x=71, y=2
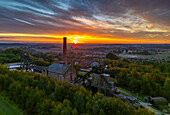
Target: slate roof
x=159, y=101
x=58, y=68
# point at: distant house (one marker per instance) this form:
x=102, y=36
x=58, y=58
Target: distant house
x=60, y=72
x=85, y=63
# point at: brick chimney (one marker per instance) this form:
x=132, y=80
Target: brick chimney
x=65, y=50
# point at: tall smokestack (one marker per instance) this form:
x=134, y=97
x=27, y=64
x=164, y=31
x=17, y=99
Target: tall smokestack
x=65, y=50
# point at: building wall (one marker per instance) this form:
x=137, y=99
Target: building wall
x=44, y=71
x=71, y=72
x=57, y=76
x=62, y=77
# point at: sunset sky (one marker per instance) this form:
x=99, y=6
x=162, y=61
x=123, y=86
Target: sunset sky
x=85, y=21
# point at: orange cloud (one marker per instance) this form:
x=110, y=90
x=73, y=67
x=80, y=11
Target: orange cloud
x=72, y=38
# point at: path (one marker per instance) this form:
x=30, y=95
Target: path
x=145, y=105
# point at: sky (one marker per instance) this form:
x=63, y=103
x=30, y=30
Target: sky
x=85, y=21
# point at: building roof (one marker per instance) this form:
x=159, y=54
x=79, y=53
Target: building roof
x=95, y=64
x=58, y=68
x=106, y=75
x=38, y=68
x=120, y=96
x=159, y=101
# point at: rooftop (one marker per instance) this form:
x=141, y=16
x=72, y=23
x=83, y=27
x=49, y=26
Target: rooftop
x=58, y=68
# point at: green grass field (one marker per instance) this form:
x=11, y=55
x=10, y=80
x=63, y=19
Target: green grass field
x=162, y=55
x=8, y=109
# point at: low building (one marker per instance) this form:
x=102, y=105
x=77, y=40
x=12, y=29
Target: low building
x=38, y=69
x=13, y=66
x=60, y=72
x=159, y=101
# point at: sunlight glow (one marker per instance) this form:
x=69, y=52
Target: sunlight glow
x=75, y=41
x=73, y=38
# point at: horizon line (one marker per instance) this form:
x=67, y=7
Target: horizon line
x=83, y=43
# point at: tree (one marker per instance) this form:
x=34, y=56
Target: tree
x=112, y=56
x=167, y=87
x=65, y=111
x=74, y=112
x=101, y=112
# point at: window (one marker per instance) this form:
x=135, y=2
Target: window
x=71, y=77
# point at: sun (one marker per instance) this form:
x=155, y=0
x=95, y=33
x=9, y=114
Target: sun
x=75, y=42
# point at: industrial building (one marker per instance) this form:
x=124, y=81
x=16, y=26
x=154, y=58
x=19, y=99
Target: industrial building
x=60, y=71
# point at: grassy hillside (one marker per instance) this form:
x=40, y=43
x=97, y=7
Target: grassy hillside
x=7, y=109
x=36, y=94
x=12, y=55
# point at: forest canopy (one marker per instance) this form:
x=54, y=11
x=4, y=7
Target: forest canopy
x=145, y=78
x=12, y=55
x=37, y=94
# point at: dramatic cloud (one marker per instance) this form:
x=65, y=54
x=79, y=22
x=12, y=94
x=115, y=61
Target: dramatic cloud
x=111, y=20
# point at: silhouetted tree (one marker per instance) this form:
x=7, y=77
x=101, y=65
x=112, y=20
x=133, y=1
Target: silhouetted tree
x=112, y=56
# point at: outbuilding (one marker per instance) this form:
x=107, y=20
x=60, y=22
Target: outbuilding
x=159, y=101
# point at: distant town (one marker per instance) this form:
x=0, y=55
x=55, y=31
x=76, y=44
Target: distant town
x=78, y=52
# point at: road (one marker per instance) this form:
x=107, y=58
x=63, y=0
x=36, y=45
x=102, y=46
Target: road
x=145, y=105
x=148, y=106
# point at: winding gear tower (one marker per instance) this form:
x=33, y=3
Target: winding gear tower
x=26, y=63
